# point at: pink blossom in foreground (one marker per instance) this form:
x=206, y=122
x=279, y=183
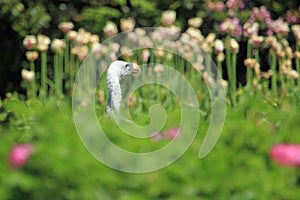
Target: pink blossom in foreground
x=157, y=136
x=19, y=154
x=286, y=154
x=172, y=133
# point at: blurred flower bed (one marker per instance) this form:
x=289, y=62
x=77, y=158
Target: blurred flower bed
x=43, y=158
x=255, y=49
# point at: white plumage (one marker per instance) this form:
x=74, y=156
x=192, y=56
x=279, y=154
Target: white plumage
x=116, y=71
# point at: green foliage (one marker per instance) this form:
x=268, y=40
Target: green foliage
x=95, y=18
x=237, y=168
x=25, y=20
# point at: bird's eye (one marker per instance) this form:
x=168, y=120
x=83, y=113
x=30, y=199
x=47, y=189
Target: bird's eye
x=127, y=66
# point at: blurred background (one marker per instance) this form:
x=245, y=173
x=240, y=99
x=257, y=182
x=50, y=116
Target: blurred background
x=21, y=18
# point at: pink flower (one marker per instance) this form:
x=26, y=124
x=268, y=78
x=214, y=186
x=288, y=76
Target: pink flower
x=293, y=16
x=145, y=55
x=172, y=133
x=280, y=27
x=219, y=6
x=29, y=41
x=232, y=26
x=251, y=29
x=19, y=154
x=286, y=154
x=215, y=6
x=260, y=14
x=156, y=136
x=235, y=4
x=66, y=26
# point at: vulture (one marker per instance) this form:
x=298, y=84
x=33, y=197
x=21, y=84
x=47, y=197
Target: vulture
x=117, y=70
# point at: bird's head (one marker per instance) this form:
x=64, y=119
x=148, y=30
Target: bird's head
x=122, y=69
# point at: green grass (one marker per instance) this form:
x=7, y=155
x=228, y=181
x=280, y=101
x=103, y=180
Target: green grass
x=61, y=168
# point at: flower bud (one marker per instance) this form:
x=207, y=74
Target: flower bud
x=220, y=57
x=249, y=62
x=224, y=83
x=210, y=38
x=58, y=46
x=256, y=40
x=145, y=55
x=110, y=29
x=158, y=69
x=94, y=39
x=29, y=41
x=195, y=22
x=27, y=76
x=234, y=45
x=168, y=17
x=219, y=46
x=32, y=55
x=43, y=42
x=293, y=74
x=297, y=54
x=66, y=26
x=72, y=35
x=127, y=24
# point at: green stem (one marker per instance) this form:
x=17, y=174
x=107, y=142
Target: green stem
x=55, y=63
x=228, y=58
x=249, y=70
x=231, y=70
x=43, y=91
x=282, y=80
x=67, y=55
x=33, y=82
x=257, y=55
x=71, y=66
x=208, y=63
x=60, y=74
x=58, y=59
x=219, y=64
x=234, y=82
x=274, y=76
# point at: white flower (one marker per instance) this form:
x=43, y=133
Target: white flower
x=110, y=29
x=195, y=22
x=234, y=45
x=31, y=55
x=219, y=45
x=27, y=76
x=43, y=42
x=58, y=46
x=168, y=17
x=127, y=24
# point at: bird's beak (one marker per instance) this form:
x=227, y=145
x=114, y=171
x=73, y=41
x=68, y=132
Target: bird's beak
x=135, y=69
